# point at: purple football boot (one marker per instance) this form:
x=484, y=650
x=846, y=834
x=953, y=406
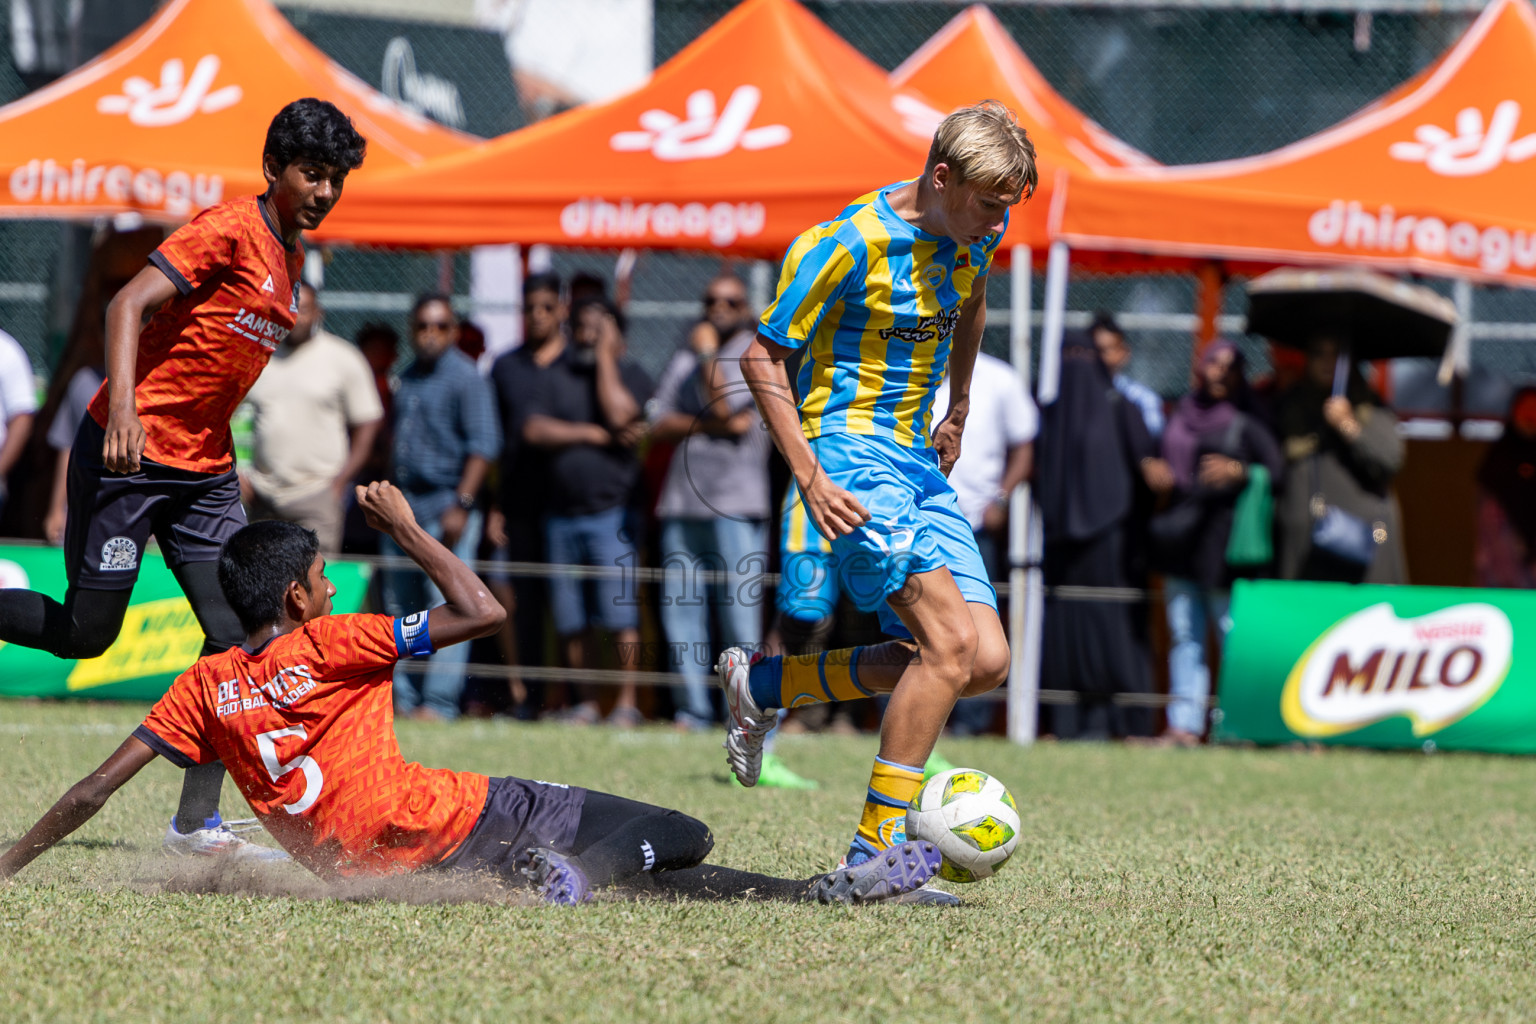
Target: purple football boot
x=557, y=877
x=889, y=873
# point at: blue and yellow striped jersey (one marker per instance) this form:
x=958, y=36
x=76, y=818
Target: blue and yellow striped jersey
x=876, y=299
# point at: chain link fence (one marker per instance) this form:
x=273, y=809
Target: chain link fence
x=1185, y=80
x=1188, y=81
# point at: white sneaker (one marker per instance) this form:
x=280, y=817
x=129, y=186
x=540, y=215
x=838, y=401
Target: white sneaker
x=222, y=840
x=746, y=723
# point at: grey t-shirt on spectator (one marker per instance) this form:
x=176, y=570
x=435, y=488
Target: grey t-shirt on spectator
x=713, y=476
x=77, y=399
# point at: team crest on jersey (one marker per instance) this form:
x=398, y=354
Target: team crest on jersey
x=266, y=285
x=934, y=275
x=119, y=554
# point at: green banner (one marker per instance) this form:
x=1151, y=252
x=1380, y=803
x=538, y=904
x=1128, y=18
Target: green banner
x=159, y=639
x=1389, y=667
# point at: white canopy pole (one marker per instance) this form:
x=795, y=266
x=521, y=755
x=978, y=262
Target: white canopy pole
x=1458, y=353
x=1023, y=686
x=1024, y=680
x=1051, y=329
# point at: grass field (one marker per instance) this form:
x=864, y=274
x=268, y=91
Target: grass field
x=1150, y=885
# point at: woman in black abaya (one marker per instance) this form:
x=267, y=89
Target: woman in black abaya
x=1092, y=446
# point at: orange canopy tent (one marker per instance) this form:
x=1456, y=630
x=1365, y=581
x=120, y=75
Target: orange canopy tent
x=973, y=58
x=172, y=119
x=1435, y=177
x=765, y=124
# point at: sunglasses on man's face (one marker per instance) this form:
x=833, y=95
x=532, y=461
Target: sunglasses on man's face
x=724, y=300
x=434, y=325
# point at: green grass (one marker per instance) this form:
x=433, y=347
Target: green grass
x=1150, y=885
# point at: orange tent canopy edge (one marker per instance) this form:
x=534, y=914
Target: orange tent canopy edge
x=1433, y=178
x=172, y=119
x=766, y=124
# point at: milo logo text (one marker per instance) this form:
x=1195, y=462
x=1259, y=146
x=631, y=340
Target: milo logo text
x=1433, y=670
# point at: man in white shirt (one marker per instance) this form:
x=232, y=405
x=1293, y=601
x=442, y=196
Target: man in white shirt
x=316, y=414
x=18, y=404
x=996, y=455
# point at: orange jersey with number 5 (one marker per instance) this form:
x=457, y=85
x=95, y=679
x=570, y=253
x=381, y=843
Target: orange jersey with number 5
x=306, y=728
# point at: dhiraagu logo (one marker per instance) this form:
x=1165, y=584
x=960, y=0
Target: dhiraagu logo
x=1434, y=670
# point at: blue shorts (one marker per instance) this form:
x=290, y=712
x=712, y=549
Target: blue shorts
x=915, y=524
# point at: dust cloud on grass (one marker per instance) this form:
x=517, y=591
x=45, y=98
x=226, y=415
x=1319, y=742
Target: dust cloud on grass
x=216, y=876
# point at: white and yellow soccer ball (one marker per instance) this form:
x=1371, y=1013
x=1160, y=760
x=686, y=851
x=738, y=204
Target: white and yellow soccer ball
x=971, y=818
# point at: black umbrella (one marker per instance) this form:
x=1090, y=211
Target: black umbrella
x=1372, y=315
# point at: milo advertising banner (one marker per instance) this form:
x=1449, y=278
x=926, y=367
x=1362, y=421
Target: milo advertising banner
x=159, y=639
x=1419, y=667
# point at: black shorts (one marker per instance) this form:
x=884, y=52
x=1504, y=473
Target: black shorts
x=518, y=815
x=112, y=515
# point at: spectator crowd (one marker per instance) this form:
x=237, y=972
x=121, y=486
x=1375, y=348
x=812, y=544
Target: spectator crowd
x=660, y=507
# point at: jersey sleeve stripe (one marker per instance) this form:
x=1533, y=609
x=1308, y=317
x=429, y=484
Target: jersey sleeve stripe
x=153, y=741
x=157, y=258
x=807, y=289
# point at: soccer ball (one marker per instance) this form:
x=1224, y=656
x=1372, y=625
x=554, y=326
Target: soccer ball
x=971, y=818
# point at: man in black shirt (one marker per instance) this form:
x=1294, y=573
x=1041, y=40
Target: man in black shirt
x=515, y=526
x=587, y=417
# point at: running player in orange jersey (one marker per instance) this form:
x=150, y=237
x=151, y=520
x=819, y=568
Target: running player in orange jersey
x=301, y=714
x=154, y=455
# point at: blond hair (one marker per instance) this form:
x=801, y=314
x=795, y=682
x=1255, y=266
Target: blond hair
x=986, y=145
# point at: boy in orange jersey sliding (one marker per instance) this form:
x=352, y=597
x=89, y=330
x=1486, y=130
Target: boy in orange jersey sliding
x=301, y=715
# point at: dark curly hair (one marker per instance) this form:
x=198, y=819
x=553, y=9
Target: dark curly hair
x=256, y=565
x=311, y=129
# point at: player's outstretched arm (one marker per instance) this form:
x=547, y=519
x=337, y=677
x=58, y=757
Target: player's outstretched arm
x=77, y=806
x=470, y=610
x=833, y=509
x=124, y=445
